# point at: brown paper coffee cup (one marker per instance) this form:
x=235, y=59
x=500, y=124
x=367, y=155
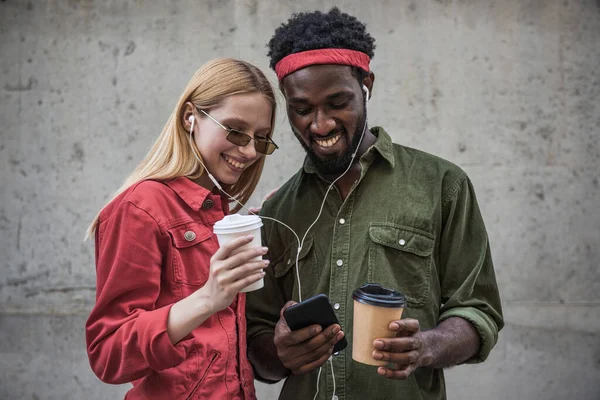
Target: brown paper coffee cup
x=374, y=308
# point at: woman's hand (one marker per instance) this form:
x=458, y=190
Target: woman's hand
x=231, y=270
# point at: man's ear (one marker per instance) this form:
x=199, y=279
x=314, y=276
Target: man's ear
x=368, y=82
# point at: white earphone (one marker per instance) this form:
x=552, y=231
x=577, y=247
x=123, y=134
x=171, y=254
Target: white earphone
x=212, y=178
x=191, y=119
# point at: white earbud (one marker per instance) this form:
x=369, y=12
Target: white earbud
x=212, y=178
x=366, y=90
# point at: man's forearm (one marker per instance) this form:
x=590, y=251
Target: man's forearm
x=263, y=356
x=452, y=342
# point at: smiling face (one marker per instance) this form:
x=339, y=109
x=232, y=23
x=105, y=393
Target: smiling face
x=326, y=109
x=249, y=113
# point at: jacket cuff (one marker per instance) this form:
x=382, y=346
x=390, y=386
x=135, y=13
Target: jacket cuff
x=486, y=328
x=154, y=342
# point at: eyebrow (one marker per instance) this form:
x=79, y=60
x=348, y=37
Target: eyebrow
x=330, y=97
x=241, y=124
x=234, y=121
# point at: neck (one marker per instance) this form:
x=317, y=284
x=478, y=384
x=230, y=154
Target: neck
x=345, y=183
x=205, y=182
x=368, y=140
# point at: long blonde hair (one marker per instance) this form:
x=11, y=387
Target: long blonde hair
x=171, y=155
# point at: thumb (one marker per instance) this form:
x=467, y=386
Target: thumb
x=286, y=306
x=270, y=194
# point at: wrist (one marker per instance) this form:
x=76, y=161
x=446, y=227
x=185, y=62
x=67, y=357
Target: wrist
x=262, y=354
x=202, y=304
x=428, y=345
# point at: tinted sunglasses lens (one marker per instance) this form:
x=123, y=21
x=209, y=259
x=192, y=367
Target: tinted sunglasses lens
x=265, y=147
x=262, y=147
x=238, y=138
x=241, y=139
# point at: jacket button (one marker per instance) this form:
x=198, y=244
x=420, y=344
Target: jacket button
x=208, y=203
x=189, y=236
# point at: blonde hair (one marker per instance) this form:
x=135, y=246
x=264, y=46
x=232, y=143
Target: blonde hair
x=171, y=155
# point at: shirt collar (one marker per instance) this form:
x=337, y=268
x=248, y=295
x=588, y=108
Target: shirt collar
x=383, y=146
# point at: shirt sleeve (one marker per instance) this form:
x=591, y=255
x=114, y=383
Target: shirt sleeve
x=126, y=334
x=263, y=306
x=468, y=282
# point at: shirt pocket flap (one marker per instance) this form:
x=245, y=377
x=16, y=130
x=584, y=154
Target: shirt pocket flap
x=402, y=238
x=189, y=234
x=289, y=257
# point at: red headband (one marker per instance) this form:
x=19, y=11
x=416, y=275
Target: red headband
x=293, y=62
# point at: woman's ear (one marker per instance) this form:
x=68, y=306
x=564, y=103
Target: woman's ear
x=187, y=116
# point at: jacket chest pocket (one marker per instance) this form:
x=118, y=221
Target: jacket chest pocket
x=400, y=258
x=193, y=246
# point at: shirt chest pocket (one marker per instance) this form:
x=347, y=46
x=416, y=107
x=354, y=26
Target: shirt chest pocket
x=400, y=258
x=193, y=246
x=285, y=268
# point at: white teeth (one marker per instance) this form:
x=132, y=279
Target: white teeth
x=235, y=163
x=328, y=142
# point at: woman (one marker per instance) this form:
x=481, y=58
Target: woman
x=168, y=315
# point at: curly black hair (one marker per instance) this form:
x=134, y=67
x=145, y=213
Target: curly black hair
x=317, y=30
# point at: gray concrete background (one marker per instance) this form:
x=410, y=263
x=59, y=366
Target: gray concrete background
x=508, y=90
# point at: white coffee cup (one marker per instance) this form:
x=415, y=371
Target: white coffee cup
x=236, y=225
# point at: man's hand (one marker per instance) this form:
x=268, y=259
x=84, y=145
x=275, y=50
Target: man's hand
x=407, y=351
x=306, y=349
x=256, y=210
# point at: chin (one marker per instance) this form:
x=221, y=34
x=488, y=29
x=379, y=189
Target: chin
x=230, y=180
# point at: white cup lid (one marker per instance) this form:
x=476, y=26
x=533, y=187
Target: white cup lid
x=235, y=223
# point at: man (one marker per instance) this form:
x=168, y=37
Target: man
x=395, y=216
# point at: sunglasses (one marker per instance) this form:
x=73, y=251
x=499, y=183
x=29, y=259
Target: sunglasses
x=262, y=145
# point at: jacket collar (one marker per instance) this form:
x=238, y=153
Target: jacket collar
x=192, y=193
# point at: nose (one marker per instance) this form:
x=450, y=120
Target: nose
x=249, y=150
x=322, y=124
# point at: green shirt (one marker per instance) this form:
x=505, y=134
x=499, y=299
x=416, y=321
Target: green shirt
x=412, y=224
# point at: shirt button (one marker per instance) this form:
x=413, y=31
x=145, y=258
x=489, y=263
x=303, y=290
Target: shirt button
x=336, y=306
x=289, y=261
x=342, y=221
x=339, y=263
x=189, y=236
x=402, y=242
x=208, y=203
x=336, y=353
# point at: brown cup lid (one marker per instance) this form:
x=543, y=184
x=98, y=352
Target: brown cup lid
x=376, y=295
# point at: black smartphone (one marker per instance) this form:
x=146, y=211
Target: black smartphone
x=315, y=310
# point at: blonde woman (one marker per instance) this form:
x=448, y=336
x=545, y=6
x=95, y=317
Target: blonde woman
x=168, y=315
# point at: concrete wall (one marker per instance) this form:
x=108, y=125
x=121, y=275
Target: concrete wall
x=509, y=90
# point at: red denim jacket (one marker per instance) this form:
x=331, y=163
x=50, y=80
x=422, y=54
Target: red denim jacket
x=153, y=248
